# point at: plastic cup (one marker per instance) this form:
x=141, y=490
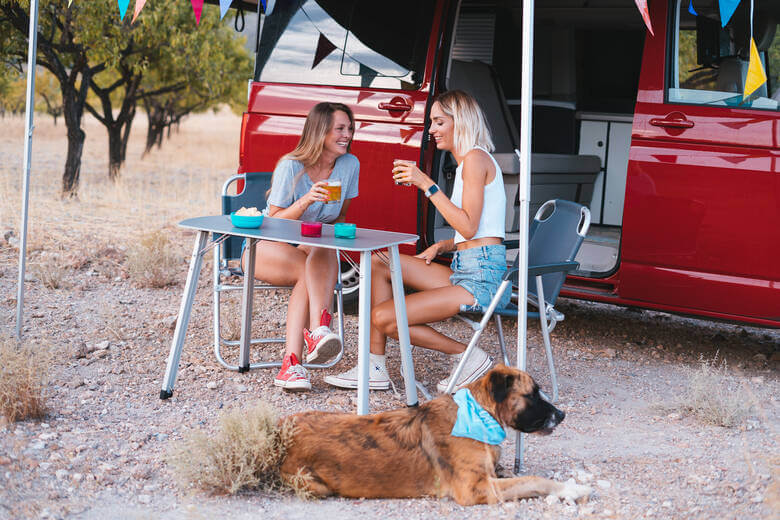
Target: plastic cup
x=311, y=229
x=344, y=230
x=402, y=161
x=334, y=192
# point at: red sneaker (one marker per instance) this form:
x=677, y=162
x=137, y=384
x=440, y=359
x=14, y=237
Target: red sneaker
x=292, y=375
x=321, y=344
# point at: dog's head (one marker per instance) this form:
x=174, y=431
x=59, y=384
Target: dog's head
x=512, y=397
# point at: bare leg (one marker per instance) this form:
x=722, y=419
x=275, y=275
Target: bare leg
x=322, y=269
x=437, y=301
x=282, y=264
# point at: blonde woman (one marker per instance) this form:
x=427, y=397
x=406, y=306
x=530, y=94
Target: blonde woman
x=476, y=212
x=298, y=192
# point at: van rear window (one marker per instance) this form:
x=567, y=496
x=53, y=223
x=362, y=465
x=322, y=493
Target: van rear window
x=345, y=43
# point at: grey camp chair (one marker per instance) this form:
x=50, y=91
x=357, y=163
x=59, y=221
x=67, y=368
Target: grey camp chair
x=253, y=194
x=555, y=236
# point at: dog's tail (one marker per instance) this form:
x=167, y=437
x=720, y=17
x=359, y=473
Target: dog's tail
x=244, y=452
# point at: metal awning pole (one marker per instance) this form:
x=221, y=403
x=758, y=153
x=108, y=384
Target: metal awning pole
x=32, y=50
x=524, y=188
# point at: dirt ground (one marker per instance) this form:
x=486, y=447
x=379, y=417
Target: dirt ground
x=100, y=451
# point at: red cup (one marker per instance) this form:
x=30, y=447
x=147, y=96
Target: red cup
x=311, y=229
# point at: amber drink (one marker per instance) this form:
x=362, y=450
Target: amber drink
x=334, y=191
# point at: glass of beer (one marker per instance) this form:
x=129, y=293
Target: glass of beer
x=401, y=161
x=334, y=191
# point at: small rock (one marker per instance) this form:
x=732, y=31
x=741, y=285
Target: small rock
x=241, y=388
x=667, y=504
x=169, y=321
x=212, y=385
x=100, y=353
x=77, y=477
x=673, y=416
x=80, y=351
x=583, y=476
x=757, y=498
x=145, y=499
x=38, y=446
x=603, y=484
x=103, y=345
x=752, y=424
x=60, y=474
x=48, y=436
x=161, y=436
x=758, y=380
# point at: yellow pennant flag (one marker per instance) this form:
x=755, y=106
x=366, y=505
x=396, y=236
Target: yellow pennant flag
x=70, y=2
x=755, y=73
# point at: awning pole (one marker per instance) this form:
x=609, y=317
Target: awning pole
x=32, y=50
x=526, y=97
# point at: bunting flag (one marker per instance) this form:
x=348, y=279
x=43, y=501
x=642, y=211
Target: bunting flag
x=123, y=8
x=139, y=4
x=224, y=6
x=70, y=2
x=727, y=8
x=642, y=6
x=324, y=47
x=755, y=73
x=367, y=75
x=197, y=8
x=691, y=9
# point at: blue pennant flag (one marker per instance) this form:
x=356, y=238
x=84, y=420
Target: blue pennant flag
x=123, y=8
x=727, y=8
x=224, y=5
x=691, y=9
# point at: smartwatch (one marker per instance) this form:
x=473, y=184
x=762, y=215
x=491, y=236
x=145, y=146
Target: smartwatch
x=430, y=191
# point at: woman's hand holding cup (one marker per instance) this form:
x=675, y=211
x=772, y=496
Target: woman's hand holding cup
x=407, y=173
x=317, y=193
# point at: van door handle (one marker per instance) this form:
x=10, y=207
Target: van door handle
x=674, y=120
x=402, y=106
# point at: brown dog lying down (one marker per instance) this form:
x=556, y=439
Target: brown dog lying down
x=410, y=452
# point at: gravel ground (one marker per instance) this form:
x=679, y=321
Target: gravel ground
x=100, y=451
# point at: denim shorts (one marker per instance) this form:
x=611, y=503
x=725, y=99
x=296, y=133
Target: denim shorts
x=479, y=270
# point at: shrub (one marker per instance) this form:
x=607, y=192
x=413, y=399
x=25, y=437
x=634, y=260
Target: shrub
x=152, y=261
x=244, y=453
x=23, y=379
x=48, y=273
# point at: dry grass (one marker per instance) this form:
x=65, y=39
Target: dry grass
x=48, y=273
x=152, y=261
x=23, y=380
x=714, y=396
x=244, y=453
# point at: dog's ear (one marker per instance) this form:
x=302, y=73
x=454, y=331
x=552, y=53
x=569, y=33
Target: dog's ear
x=501, y=385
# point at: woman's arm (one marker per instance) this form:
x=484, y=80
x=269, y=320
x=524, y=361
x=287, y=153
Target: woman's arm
x=465, y=220
x=436, y=249
x=317, y=193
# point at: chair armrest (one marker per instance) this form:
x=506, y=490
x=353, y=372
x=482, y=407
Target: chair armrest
x=536, y=270
x=511, y=244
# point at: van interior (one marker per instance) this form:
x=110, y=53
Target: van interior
x=587, y=57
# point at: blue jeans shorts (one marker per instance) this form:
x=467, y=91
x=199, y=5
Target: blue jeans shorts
x=479, y=270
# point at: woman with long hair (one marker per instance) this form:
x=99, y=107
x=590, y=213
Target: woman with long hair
x=476, y=211
x=298, y=192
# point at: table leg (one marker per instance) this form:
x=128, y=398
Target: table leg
x=407, y=366
x=184, y=315
x=364, y=329
x=246, y=306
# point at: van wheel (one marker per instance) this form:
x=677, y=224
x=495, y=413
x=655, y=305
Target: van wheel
x=350, y=280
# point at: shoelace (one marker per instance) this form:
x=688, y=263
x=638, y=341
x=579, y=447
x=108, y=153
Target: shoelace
x=298, y=370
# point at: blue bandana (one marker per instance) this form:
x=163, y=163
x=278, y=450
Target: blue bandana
x=474, y=422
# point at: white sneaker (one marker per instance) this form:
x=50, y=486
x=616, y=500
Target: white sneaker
x=377, y=378
x=476, y=365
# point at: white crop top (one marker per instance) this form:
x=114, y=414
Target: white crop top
x=492, y=220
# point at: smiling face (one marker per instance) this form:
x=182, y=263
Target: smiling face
x=442, y=128
x=340, y=134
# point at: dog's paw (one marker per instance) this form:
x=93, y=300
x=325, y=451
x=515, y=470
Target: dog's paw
x=571, y=492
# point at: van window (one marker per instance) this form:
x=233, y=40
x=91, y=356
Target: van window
x=709, y=63
x=345, y=43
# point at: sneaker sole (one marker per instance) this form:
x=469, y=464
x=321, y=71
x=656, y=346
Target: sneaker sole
x=292, y=386
x=328, y=348
x=479, y=372
x=352, y=385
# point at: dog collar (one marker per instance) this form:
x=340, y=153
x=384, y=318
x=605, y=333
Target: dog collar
x=474, y=422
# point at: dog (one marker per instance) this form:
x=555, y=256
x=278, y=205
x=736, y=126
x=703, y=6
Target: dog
x=410, y=452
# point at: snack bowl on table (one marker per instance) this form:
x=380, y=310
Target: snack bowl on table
x=246, y=221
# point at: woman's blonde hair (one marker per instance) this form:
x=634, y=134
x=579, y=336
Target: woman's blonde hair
x=318, y=123
x=470, y=125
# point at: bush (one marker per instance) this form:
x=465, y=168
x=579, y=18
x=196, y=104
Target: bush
x=245, y=453
x=23, y=379
x=716, y=397
x=152, y=261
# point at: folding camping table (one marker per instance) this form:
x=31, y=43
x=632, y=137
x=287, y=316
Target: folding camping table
x=289, y=231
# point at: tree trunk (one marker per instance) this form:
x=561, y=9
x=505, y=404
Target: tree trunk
x=114, y=151
x=73, y=110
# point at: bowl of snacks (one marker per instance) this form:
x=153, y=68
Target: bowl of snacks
x=247, y=218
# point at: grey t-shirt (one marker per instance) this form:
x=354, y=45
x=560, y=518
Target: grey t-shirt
x=288, y=186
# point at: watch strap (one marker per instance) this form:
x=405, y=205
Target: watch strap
x=432, y=190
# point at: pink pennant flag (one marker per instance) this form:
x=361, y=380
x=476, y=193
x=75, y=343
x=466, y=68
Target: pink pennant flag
x=197, y=8
x=642, y=6
x=139, y=4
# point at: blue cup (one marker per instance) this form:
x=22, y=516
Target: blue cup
x=344, y=230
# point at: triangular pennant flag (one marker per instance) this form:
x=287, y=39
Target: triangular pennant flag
x=324, y=47
x=70, y=2
x=755, y=73
x=727, y=8
x=642, y=6
x=122, y=8
x=691, y=9
x=197, y=8
x=139, y=4
x=224, y=5
x=367, y=75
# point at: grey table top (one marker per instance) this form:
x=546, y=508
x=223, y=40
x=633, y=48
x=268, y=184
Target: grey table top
x=283, y=230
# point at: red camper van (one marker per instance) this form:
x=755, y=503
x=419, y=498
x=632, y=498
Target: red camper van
x=681, y=174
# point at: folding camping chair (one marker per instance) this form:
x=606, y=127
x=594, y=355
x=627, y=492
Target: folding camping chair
x=555, y=236
x=253, y=194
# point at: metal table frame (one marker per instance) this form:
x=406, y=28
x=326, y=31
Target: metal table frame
x=282, y=230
